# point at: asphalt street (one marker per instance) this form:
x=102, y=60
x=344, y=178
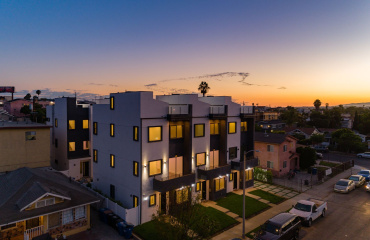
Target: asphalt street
x=342, y=157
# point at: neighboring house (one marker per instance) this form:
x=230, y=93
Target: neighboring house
x=277, y=152
x=346, y=121
x=306, y=132
x=13, y=107
x=268, y=116
x=272, y=125
x=24, y=144
x=34, y=202
x=70, y=137
x=156, y=153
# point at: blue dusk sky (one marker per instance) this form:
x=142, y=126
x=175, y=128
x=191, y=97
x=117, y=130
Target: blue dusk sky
x=269, y=52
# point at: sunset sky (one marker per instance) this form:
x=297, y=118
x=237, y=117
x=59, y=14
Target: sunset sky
x=293, y=51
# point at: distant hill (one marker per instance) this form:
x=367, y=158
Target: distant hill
x=366, y=104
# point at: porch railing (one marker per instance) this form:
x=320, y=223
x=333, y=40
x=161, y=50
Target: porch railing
x=33, y=232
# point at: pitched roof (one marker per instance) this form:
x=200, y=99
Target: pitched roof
x=271, y=137
x=307, y=131
x=23, y=186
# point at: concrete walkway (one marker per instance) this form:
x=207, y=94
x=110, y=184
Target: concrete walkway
x=319, y=191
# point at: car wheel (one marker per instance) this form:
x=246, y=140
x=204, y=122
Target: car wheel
x=309, y=222
x=296, y=234
x=323, y=213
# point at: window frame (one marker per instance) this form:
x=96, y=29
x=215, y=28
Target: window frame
x=219, y=184
x=135, y=133
x=285, y=163
x=56, y=142
x=198, y=187
x=204, y=129
x=111, y=129
x=285, y=148
x=112, y=191
x=30, y=135
x=243, y=128
x=95, y=128
x=83, y=124
x=112, y=161
x=87, y=144
x=270, y=148
x=74, y=146
x=111, y=102
x=74, y=124
x=95, y=155
x=214, y=128
x=228, y=127
x=236, y=152
x=161, y=160
x=135, y=201
x=149, y=127
x=135, y=169
x=56, y=122
x=176, y=131
x=231, y=177
x=150, y=200
x=196, y=159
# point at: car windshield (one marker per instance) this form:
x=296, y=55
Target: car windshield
x=353, y=178
x=342, y=183
x=271, y=228
x=363, y=172
x=303, y=207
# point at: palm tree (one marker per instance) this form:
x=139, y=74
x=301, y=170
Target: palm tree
x=203, y=88
x=317, y=104
x=38, y=92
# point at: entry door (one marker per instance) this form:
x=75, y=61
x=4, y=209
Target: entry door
x=175, y=167
x=213, y=159
x=163, y=203
x=204, y=190
x=86, y=169
x=235, y=178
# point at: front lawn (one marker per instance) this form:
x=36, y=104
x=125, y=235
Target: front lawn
x=234, y=203
x=268, y=196
x=329, y=164
x=150, y=230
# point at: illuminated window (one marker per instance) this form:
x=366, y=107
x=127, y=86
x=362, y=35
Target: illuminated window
x=152, y=200
x=135, y=201
x=136, y=169
x=243, y=126
x=198, y=187
x=176, y=131
x=136, y=133
x=248, y=174
x=233, y=152
x=85, y=124
x=112, y=130
x=231, y=177
x=198, y=130
x=111, y=103
x=86, y=145
x=182, y=195
x=71, y=146
x=56, y=122
x=71, y=124
x=215, y=128
x=95, y=128
x=112, y=161
x=155, y=167
x=232, y=127
x=95, y=155
x=155, y=134
x=201, y=159
x=219, y=184
x=30, y=136
x=270, y=148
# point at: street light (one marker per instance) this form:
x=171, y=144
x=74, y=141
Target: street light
x=244, y=166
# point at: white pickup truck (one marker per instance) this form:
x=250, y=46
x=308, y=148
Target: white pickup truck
x=309, y=210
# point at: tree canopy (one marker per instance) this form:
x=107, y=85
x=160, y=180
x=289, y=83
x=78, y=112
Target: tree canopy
x=203, y=88
x=317, y=104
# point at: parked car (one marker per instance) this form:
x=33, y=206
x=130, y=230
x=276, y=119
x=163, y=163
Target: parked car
x=365, y=174
x=368, y=187
x=344, y=186
x=309, y=210
x=319, y=155
x=321, y=148
x=364, y=155
x=358, y=179
x=281, y=226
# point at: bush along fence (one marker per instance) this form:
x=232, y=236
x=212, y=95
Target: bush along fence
x=130, y=215
x=262, y=175
x=335, y=170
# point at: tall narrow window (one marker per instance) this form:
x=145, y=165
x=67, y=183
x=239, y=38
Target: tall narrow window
x=197, y=189
x=112, y=161
x=232, y=127
x=243, y=126
x=285, y=148
x=233, y=152
x=112, y=130
x=201, y=159
x=136, y=169
x=95, y=155
x=219, y=184
x=199, y=130
x=56, y=122
x=155, y=134
x=95, y=128
x=71, y=124
x=155, y=167
x=214, y=128
x=112, y=192
x=136, y=133
x=135, y=201
x=176, y=131
x=71, y=146
x=152, y=200
x=56, y=142
x=182, y=195
x=111, y=103
x=86, y=145
x=85, y=124
x=270, y=148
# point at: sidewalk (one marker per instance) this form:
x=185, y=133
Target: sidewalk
x=319, y=191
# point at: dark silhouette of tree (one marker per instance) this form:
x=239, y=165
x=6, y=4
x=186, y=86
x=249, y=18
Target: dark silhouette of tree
x=317, y=104
x=203, y=88
x=307, y=157
x=28, y=96
x=327, y=106
x=26, y=110
x=356, y=121
x=38, y=92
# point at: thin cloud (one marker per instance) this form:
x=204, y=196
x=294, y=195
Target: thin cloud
x=96, y=84
x=150, y=85
x=113, y=85
x=283, y=88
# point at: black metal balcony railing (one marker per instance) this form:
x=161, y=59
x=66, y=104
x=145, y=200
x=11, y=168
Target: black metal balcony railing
x=179, y=112
x=213, y=172
x=239, y=165
x=173, y=181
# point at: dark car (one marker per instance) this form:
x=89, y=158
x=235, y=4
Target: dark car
x=282, y=226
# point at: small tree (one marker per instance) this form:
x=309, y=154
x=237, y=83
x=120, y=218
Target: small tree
x=307, y=157
x=38, y=92
x=28, y=96
x=26, y=110
x=317, y=138
x=203, y=88
x=317, y=104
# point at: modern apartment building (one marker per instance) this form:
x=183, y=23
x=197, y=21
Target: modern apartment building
x=70, y=137
x=157, y=153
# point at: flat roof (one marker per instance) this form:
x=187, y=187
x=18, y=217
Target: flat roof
x=26, y=124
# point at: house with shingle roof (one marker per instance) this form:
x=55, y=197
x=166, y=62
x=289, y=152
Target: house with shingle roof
x=34, y=202
x=277, y=152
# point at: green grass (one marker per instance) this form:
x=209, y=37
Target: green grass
x=329, y=164
x=149, y=230
x=268, y=196
x=234, y=203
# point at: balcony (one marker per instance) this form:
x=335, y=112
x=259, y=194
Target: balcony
x=250, y=163
x=33, y=232
x=165, y=184
x=180, y=112
x=246, y=111
x=218, y=112
x=213, y=172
